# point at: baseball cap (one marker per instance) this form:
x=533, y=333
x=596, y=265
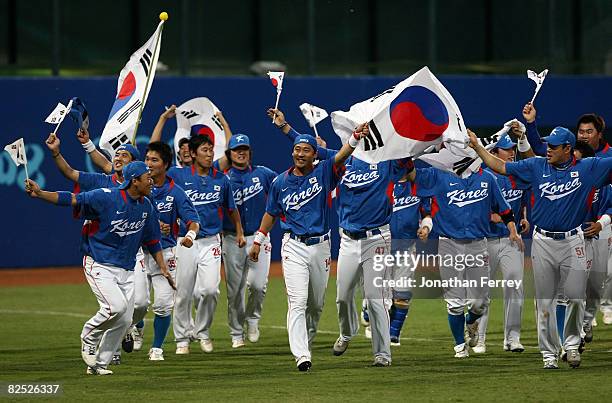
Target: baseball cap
x=130, y=149
x=560, y=135
x=505, y=142
x=131, y=171
x=307, y=139
x=239, y=140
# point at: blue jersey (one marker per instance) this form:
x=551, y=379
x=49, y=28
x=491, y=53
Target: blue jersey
x=93, y=180
x=461, y=207
x=515, y=193
x=408, y=209
x=172, y=204
x=604, y=151
x=118, y=226
x=251, y=187
x=304, y=202
x=208, y=193
x=562, y=197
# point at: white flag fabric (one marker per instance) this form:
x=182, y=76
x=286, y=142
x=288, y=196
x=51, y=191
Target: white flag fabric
x=58, y=114
x=17, y=152
x=404, y=120
x=276, y=77
x=197, y=117
x=313, y=114
x=133, y=87
x=539, y=80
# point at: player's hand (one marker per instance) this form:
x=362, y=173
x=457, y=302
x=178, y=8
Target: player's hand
x=254, y=253
x=473, y=139
x=363, y=130
x=240, y=240
x=517, y=240
x=32, y=188
x=279, y=117
x=423, y=233
x=169, y=278
x=321, y=142
x=164, y=228
x=524, y=226
x=515, y=129
x=593, y=229
x=187, y=242
x=496, y=218
x=529, y=113
x=83, y=136
x=53, y=143
x=221, y=118
x=169, y=113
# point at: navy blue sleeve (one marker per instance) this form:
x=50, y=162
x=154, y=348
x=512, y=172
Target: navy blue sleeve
x=533, y=136
x=273, y=206
x=90, y=205
x=228, y=194
x=152, y=234
x=185, y=208
x=426, y=180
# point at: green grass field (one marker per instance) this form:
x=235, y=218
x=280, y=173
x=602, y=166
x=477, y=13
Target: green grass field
x=40, y=343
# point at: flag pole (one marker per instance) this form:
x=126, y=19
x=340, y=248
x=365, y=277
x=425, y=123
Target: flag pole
x=25, y=159
x=144, y=95
x=278, y=92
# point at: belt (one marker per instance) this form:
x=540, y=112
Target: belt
x=309, y=240
x=206, y=236
x=233, y=233
x=556, y=235
x=357, y=235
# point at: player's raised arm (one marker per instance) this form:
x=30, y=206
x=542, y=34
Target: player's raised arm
x=60, y=198
x=267, y=222
x=533, y=136
x=223, y=162
x=490, y=160
x=53, y=143
x=161, y=122
x=360, y=132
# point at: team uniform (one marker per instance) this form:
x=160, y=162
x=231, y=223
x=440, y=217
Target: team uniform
x=304, y=205
x=251, y=187
x=562, y=196
x=199, y=267
x=118, y=226
x=461, y=210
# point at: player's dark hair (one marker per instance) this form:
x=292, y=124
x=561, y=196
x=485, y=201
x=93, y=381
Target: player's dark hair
x=183, y=141
x=196, y=141
x=585, y=149
x=597, y=121
x=164, y=151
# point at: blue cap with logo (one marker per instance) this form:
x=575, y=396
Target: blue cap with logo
x=306, y=139
x=130, y=149
x=239, y=140
x=560, y=135
x=131, y=171
x=505, y=143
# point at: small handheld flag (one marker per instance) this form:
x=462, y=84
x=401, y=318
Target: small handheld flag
x=276, y=77
x=18, y=154
x=539, y=80
x=57, y=116
x=313, y=115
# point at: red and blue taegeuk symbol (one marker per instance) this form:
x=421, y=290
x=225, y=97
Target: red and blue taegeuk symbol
x=128, y=87
x=204, y=131
x=418, y=114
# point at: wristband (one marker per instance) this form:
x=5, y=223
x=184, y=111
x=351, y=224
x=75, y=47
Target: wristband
x=64, y=198
x=283, y=125
x=56, y=155
x=604, y=220
x=260, y=237
x=523, y=145
x=89, y=146
x=427, y=222
x=191, y=235
x=353, y=141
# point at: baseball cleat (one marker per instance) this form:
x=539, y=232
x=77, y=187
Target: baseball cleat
x=253, y=333
x=581, y=346
x=304, y=364
x=368, y=332
x=364, y=317
x=380, y=361
x=395, y=341
x=594, y=322
x=461, y=350
x=551, y=363
x=128, y=342
x=182, y=350
x=138, y=336
x=237, y=343
x=588, y=332
x=95, y=370
x=514, y=346
x=563, y=354
x=156, y=354
x=88, y=353
x=471, y=334
x=340, y=346
x=206, y=345
x=116, y=359
x=480, y=347
x=607, y=318
x=573, y=358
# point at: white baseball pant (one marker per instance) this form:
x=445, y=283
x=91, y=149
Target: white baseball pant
x=355, y=267
x=198, y=272
x=306, y=271
x=114, y=288
x=241, y=273
x=597, y=262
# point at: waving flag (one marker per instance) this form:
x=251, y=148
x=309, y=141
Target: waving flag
x=58, y=114
x=276, y=77
x=78, y=113
x=404, y=120
x=135, y=81
x=313, y=114
x=539, y=80
x=197, y=117
x=18, y=154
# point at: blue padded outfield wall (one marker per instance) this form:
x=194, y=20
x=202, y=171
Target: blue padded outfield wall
x=37, y=234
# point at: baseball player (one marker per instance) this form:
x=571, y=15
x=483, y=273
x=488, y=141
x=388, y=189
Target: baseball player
x=563, y=189
x=461, y=209
x=198, y=267
x=301, y=196
x=505, y=256
x=251, y=186
x=121, y=220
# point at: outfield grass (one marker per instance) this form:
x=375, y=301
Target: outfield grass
x=40, y=343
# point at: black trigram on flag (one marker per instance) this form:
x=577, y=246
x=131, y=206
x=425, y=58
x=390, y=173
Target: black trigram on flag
x=217, y=121
x=189, y=114
x=373, y=140
x=119, y=141
x=129, y=111
x=460, y=166
x=145, y=61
